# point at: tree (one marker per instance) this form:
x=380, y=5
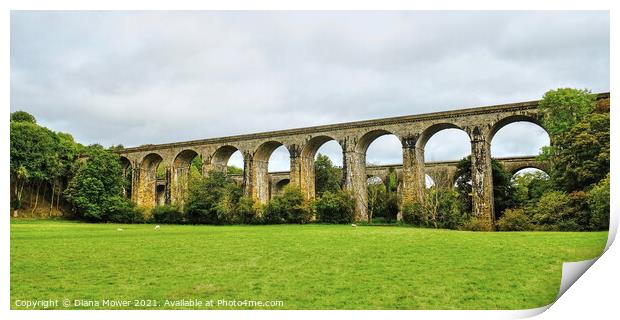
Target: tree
x=599, y=204
x=502, y=189
x=23, y=116
x=35, y=159
x=580, y=156
x=335, y=207
x=234, y=170
x=529, y=187
x=211, y=198
x=561, y=109
x=376, y=199
x=327, y=176
x=96, y=189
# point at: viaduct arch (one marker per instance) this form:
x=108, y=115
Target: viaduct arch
x=480, y=124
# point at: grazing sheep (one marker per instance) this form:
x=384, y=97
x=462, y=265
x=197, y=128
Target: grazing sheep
x=353, y=225
x=157, y=228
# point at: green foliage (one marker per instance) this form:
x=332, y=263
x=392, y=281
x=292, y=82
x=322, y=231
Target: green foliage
x=514, y=220
x=475, y=224
x=97, y=185
x=211, y=199
x=413, y=213
x=121, y=210
x=23, y=116
x=580, y=157
x=247, y=211
x=34, y=152
x=327, y=176
x=234, y=170
x=502, y=187
x=441, y=209
x=167, y=214
x=561, y=109
x=598, y=203
x=335, y=207
x=289, y=207
x=529, y=187
x=553, y=210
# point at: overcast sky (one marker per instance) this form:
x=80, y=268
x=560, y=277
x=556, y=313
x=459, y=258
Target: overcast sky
x=134, y=78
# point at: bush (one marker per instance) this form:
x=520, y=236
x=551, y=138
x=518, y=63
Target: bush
x=441, y=209
x=334, y=207
x=598, y=202
x=514, y=220
x=289, y=207
x=211, y=200
x=553, y=211
x=248, y=211
x=121, y=210
x=476, y=224
x=167, y=214
x=413, y=213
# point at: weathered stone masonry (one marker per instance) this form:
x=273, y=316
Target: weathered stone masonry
x=414, y=131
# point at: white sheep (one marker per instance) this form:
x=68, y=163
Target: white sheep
x=353, y=225
x=157, y=228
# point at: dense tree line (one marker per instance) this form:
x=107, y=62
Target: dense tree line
x=84, y=182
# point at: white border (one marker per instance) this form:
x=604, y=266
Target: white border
x=593, y=295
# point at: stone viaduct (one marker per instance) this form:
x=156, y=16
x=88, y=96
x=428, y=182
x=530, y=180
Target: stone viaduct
x=480, y=124
x=441, y=173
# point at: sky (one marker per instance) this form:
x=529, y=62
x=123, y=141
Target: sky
x=136, y=78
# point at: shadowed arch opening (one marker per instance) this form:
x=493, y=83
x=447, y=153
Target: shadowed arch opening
x=152, y=190
x=329, y=166
x=127, y=176
x=186, y=163
x=278, y=187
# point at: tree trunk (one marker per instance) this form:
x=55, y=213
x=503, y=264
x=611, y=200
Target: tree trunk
x=36, y=200
x=52, y=198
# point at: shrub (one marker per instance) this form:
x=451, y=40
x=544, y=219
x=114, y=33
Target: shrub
x=247, y=211
x=335, y=207
x=167, y=214
x=598, y=203
x=553, y=210
x=211, y=200
x=441, y=209
x=121, y=210
x=476, y=224
x=514, y=220
x=289, y=207
x=413, y=213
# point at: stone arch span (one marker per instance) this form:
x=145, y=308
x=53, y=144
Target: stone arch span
x=260, y=170
x=354, y=167
x=307, y=182
x=181, y=166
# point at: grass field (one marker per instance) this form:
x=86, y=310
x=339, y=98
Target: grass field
x=304, y=266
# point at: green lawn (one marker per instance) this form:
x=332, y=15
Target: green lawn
x=305, y=266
